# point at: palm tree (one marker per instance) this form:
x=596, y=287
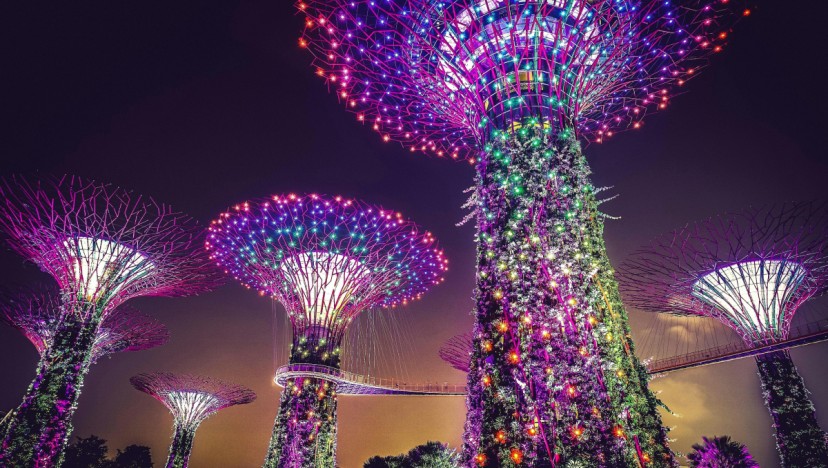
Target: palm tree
x=721, y=452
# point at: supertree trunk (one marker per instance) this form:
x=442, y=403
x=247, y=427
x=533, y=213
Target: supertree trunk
x=39, y=429
x=554, y=380
x=799, y=439
x=304, y=434
x=181, y=447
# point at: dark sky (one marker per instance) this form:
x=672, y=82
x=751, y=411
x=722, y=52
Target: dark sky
x=205, y=104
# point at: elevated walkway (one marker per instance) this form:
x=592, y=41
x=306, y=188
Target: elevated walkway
x=349, y=383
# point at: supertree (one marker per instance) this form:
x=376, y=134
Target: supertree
x=512, y=86
x=191, y=399
x=325, y=260
x=36, y=314
x=457, y=351
x=103, y=246
x=750, y=270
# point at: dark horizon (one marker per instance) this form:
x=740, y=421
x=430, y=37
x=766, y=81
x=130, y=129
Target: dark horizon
x=206, y=106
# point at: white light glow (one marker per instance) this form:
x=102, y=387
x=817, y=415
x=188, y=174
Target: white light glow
x=325, y=283
x=754, y=295
x=189, y=407
x=103, y=267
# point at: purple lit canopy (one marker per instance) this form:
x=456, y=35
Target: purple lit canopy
x=439, y=76
x=751, y=270
x=326, y=259
x=37, y=314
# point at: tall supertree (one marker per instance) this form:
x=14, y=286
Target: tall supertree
x=512, y=86
x=191, y=399
x=103, y=245
x=325, y=260
x=36, y=314
x=457, y=351
x=751, y=271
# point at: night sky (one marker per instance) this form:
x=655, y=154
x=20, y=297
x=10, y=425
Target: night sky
x=206, y=104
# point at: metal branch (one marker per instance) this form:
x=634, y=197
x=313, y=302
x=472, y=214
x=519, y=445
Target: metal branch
x=751, y=270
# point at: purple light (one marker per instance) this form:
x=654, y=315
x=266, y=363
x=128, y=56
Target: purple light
x=325, y=260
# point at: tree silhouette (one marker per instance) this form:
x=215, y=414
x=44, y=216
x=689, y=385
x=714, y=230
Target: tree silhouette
x=86, y=452
x=428, y=455
x=134, y=456
x=720, y=452
x=91, y=452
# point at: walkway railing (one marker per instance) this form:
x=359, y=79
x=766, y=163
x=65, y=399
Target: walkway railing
x=348, y=383
x=801, y=335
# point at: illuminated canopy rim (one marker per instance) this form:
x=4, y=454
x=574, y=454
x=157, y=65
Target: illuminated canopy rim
x=101, y=242
x=438, y=76
x=191, y=398
x=291, y=247
x=751, y=269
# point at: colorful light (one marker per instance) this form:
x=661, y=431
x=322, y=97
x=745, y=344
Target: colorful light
x=752, y=271
x=103, y=245
x=325, y=260
x=511, y=86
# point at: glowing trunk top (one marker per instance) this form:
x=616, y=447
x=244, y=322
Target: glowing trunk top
x=324, y=284
x=103, y=268
x=754, y=297
x=190, y=407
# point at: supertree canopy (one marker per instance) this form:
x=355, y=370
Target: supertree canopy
x=191, y=400
x=442, y=76
x=457, y=351
x=104, y=246
x=36, y=314
x=325, y=260
x=511, y=86
x=750, y=270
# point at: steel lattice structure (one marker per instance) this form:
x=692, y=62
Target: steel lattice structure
x=103, y=245
x=440, y=76
x=512, y=86
x=191, y=399
x=457, y=351
x=750, y=270
x=325, y=260
x=36, y=314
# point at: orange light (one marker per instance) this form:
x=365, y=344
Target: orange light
x=500, y=436
x=514, y=357
x=516, y=455
x=487, y=380
x=577, y=432
x=480, y=458
x=618, y=431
